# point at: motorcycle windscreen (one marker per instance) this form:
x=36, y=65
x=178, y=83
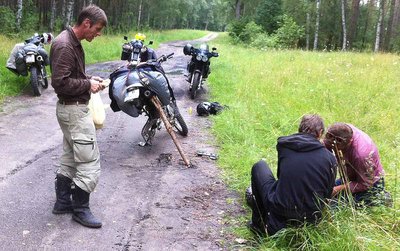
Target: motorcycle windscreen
x=158, y=84
x=119, y=88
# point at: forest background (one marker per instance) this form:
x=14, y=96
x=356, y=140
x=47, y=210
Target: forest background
x=361, y=25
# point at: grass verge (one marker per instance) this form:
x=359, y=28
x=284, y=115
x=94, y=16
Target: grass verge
x=268, y=92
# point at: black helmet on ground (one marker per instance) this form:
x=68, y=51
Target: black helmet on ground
x=203, y=109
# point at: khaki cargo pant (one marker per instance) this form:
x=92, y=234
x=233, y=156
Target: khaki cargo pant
x=80, y=160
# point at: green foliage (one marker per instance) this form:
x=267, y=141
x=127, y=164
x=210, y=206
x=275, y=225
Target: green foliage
x=236, y=29
x=285, y=37
x=268, y=92
x=264, y=41
x=289, y=33
x=268, y=14
x=250, y=32
x=30, y=16
x=7, y=20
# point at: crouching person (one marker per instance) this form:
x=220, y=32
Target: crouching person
x=306, y=177
x=362, y=164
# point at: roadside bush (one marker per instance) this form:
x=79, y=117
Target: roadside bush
x=251, y=32
x=286, y=36
x=235, y=28
x=263, y=41
x=289, y=33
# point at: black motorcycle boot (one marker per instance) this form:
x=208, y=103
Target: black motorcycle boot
x=250, y=200
x=63, y=203
x=256, y=225
x=82, y=213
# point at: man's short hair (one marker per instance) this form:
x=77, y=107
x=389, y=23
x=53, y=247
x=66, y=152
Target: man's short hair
x=312, y=124
x=340, y=131
x=94, y=13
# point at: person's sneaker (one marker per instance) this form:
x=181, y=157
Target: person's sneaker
x=255, y=229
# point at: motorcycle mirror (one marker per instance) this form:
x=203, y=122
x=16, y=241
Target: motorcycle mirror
x=125, y=38
x=151, y=42
x=214, y=49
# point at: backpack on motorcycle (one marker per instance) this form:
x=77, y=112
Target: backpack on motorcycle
x=16, y=62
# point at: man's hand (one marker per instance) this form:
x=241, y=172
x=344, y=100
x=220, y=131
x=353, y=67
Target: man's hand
x=337, y=189
x=95, y=86
x=97, y=78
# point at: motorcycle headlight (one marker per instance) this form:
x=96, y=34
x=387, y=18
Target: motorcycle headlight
x=198, y=57
x=204, y=58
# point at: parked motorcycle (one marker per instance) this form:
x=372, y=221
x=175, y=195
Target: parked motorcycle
x=142, y=88
x=31, y=57
x=135, y=50
x=199, y=66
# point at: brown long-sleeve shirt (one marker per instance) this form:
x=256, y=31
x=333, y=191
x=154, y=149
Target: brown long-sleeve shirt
x=67, y=62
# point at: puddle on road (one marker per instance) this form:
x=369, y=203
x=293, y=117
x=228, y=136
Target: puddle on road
x=175, y=72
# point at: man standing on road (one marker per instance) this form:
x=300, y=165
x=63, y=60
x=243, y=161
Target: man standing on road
x=80, y=162
x=306, y=176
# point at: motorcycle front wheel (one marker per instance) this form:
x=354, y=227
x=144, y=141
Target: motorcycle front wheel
x=36, y=81
x=196, y=78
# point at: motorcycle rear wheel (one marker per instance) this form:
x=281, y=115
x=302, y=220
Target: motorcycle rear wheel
x=35, y=81
x=45, y=82
x=179, y=123
x=196, y=78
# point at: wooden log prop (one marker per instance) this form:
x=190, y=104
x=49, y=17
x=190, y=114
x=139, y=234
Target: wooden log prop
x=168, y=126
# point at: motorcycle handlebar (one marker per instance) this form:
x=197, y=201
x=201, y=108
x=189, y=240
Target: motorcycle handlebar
x=164, y=58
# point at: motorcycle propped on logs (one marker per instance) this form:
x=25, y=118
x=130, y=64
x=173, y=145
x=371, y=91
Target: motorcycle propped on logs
x=198, y=66
x=141, y=87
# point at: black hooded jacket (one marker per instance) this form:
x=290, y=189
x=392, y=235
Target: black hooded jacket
x=306, y=177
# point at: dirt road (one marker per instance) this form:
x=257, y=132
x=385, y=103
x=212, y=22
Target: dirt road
x=145, y=199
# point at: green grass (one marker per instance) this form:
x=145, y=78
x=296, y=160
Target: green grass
x=268, y=92
x=103, y=48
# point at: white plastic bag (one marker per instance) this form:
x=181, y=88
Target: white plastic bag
x=96, y=108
